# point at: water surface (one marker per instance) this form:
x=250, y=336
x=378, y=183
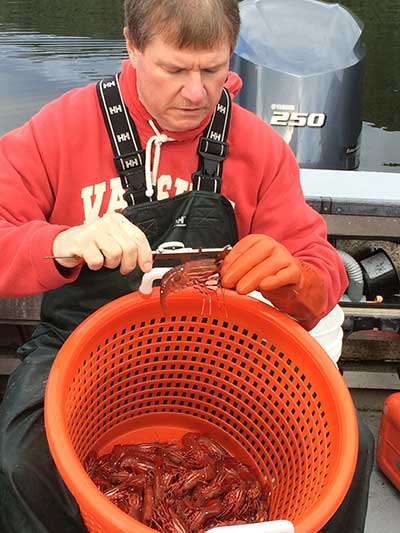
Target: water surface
x=380, y=148
x=50, y=46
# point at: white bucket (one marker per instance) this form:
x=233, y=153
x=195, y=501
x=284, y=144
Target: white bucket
x=328, y=332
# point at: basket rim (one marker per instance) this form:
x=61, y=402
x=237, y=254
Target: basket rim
x=85, y=491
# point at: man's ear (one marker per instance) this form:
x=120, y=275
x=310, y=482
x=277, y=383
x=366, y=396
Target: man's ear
x=132, y=50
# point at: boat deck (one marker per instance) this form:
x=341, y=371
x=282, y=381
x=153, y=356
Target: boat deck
x=384, y=499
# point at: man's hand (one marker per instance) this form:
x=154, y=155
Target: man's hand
x=110, y=241
x=259, y=262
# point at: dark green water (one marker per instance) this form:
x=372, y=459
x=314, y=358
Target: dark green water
x=381, y=102
x=50, y=46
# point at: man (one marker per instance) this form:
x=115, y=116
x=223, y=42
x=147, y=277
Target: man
x=62, y=197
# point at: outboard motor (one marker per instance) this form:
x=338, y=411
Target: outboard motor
x=302, y=65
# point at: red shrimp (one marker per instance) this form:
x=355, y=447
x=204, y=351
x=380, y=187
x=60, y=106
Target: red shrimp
x=202, y=274
x=168, y=521
x=148, y=505
x=135, y=502
x=199, y=518
x=194, y=478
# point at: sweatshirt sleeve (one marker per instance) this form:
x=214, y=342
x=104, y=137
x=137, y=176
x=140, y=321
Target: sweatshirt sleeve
x=283, y=213
x=26, y=203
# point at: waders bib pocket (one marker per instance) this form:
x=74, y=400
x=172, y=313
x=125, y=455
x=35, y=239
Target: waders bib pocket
x=196, y=218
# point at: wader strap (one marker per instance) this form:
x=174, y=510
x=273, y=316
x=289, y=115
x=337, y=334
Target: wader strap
x=213, y=148
x=129, y=158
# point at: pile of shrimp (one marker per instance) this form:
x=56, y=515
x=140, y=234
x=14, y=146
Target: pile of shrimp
x=186, y=486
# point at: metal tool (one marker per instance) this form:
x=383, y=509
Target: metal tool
x=172, y=250
x=184, y=254
x=61, y=257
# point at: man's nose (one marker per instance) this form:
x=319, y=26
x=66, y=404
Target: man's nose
x=193, y=89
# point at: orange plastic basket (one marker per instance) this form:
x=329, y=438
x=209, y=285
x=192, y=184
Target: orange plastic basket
x=242, y=373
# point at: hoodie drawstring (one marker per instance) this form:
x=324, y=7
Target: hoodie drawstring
x=151, y=173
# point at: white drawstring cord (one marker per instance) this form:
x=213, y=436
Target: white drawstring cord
x=151, y=173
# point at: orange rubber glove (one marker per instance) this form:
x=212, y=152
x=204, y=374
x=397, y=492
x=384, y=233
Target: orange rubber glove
x=259, y=262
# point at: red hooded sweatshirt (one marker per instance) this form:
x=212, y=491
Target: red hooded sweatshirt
x=57, y=171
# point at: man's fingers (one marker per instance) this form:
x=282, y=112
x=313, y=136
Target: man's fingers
x=145, y=256
x=249, y=245
x=287, y=276
x=275, y=271
x=136, y=248
x=236, y=267
x=123, y=244
x=93, y=256
x=247, y=242
x=129, y=250
x=110, y=248
x=251, y=280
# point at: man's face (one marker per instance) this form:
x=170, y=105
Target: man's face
x=179, y=87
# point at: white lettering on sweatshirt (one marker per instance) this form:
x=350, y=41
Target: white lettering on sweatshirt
x=165, y=185
x=92, y=208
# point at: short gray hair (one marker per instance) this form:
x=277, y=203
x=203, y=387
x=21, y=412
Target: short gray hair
x=198, y=24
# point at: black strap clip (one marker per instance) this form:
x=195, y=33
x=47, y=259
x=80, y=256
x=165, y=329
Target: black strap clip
x=211, y=149
x=133, y=179
x=203, y=182
x=129, y=162
x=212, y=154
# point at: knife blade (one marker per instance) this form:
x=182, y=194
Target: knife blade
x=182, y=254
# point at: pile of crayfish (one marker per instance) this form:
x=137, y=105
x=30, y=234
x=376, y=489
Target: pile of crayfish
x=183, y=486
